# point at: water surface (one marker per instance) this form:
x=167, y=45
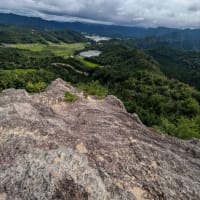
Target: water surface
x=91, y=53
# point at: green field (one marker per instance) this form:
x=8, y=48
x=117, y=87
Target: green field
x=59, y=49
x=88, y=63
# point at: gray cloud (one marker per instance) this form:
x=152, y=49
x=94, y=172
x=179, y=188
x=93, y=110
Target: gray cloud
x=171, y=13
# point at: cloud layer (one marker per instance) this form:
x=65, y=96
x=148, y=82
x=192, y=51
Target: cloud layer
x=150, y=13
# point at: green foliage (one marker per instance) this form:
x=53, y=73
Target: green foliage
x=69, y=97
x=167, y=104
x=88, y=63
x=36, y=88
x=130, y=74
x=181, y=65
x=93, y=88
x=16, y=34
x=21, y=78
x=183, y=127
x=12, y=60
x=124, y=59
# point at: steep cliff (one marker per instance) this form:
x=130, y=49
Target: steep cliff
x=88, y=150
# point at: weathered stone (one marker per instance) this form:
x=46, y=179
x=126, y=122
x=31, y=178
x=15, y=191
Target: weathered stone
x=88, y=150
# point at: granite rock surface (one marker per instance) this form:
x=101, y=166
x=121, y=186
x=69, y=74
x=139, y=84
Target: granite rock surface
x=88, y=150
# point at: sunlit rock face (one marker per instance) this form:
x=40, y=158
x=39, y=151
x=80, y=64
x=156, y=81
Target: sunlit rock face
x=88, y=150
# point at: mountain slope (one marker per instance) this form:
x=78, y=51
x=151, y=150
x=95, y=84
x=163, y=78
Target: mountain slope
x=88, y=150
x=146, y=37
x=110, y=30
x=21, y=34
x=136, y=78
x=181, y=65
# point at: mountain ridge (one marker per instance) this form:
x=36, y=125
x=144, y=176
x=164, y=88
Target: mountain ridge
x=24, y=34
x=49, y=24
x=188, y=39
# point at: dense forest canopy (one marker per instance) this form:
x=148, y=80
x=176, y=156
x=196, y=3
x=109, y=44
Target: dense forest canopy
x=135, y=77
x=179, y=64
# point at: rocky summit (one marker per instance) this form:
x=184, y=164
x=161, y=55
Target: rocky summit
x=90, y=149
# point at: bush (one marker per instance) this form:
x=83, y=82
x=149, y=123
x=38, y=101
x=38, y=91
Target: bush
x=36, y=88
x=69, y=97
x=93, y=88
x=183, y=128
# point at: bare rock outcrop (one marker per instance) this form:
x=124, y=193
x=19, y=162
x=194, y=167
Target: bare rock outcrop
x=88, y=150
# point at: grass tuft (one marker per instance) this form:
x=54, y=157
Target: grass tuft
x=93, y=88
x=69, y=97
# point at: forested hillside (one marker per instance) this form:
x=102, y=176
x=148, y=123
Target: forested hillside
x=181, y=65
x=132, y=75
x=18, y=68
x=188, y=39
x=18, y=34
x=165, y=104
x=176, y=41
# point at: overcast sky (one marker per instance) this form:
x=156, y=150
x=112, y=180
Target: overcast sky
x=170, y=13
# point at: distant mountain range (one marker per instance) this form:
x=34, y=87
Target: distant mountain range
x=183, y=39
x=109, y=30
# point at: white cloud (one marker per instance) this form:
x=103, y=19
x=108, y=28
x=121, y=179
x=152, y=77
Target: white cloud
x=171, y=13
